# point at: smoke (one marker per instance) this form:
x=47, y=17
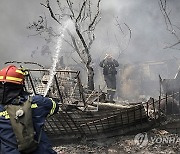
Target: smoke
x=143, y=17
x=148, y=28
x=148, y=33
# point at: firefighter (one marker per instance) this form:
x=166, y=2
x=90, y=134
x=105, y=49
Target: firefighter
x=11, y=88
x=109, y=71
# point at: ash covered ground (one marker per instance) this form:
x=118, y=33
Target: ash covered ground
x=156, y=141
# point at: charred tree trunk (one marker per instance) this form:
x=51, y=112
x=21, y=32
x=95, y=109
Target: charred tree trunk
x=85, y=20
x=90, y=71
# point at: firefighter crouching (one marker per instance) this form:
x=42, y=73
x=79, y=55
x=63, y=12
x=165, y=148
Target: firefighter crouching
x=12, y=94
x=109, y=71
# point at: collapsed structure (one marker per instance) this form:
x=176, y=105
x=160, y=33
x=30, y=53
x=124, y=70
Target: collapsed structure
x=87, y=114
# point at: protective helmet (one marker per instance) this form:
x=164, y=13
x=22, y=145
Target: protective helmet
x=12, y=74
x=108, y=56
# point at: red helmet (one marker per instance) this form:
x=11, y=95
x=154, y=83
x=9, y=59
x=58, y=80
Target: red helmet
x=12, y=74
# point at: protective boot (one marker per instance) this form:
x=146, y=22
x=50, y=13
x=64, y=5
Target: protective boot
x=110, y=96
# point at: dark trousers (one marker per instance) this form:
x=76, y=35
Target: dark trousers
x=110, y=80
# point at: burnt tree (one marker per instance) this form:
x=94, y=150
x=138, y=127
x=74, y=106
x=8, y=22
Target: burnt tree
x=85, y=18
x=170, y=26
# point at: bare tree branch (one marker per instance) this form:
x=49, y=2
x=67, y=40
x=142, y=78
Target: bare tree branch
x=118, y=24
x=121, y=30
x=166, y=17
x=95, y=17
x=130, y=33
x=76, y=47
x=70, y=8
x=84, y=23
x=80, y=12
x=50, y=10
x=169, y=25
x=171, y=46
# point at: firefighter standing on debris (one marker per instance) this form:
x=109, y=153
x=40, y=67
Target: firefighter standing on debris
x=12, y=94
x=109, y=70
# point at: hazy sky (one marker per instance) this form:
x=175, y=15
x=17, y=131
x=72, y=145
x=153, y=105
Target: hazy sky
x=142, y=16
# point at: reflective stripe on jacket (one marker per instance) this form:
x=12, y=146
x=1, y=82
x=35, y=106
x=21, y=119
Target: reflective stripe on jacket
x=41, y=108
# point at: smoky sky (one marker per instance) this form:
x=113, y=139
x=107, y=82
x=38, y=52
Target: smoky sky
x=143, y=17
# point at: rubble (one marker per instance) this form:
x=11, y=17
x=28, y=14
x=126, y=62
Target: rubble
x=121, y=145
x=89, y=113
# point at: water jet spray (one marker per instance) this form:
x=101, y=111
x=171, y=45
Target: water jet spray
x=56, y=55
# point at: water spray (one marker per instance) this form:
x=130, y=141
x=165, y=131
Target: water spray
x=56, y=55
